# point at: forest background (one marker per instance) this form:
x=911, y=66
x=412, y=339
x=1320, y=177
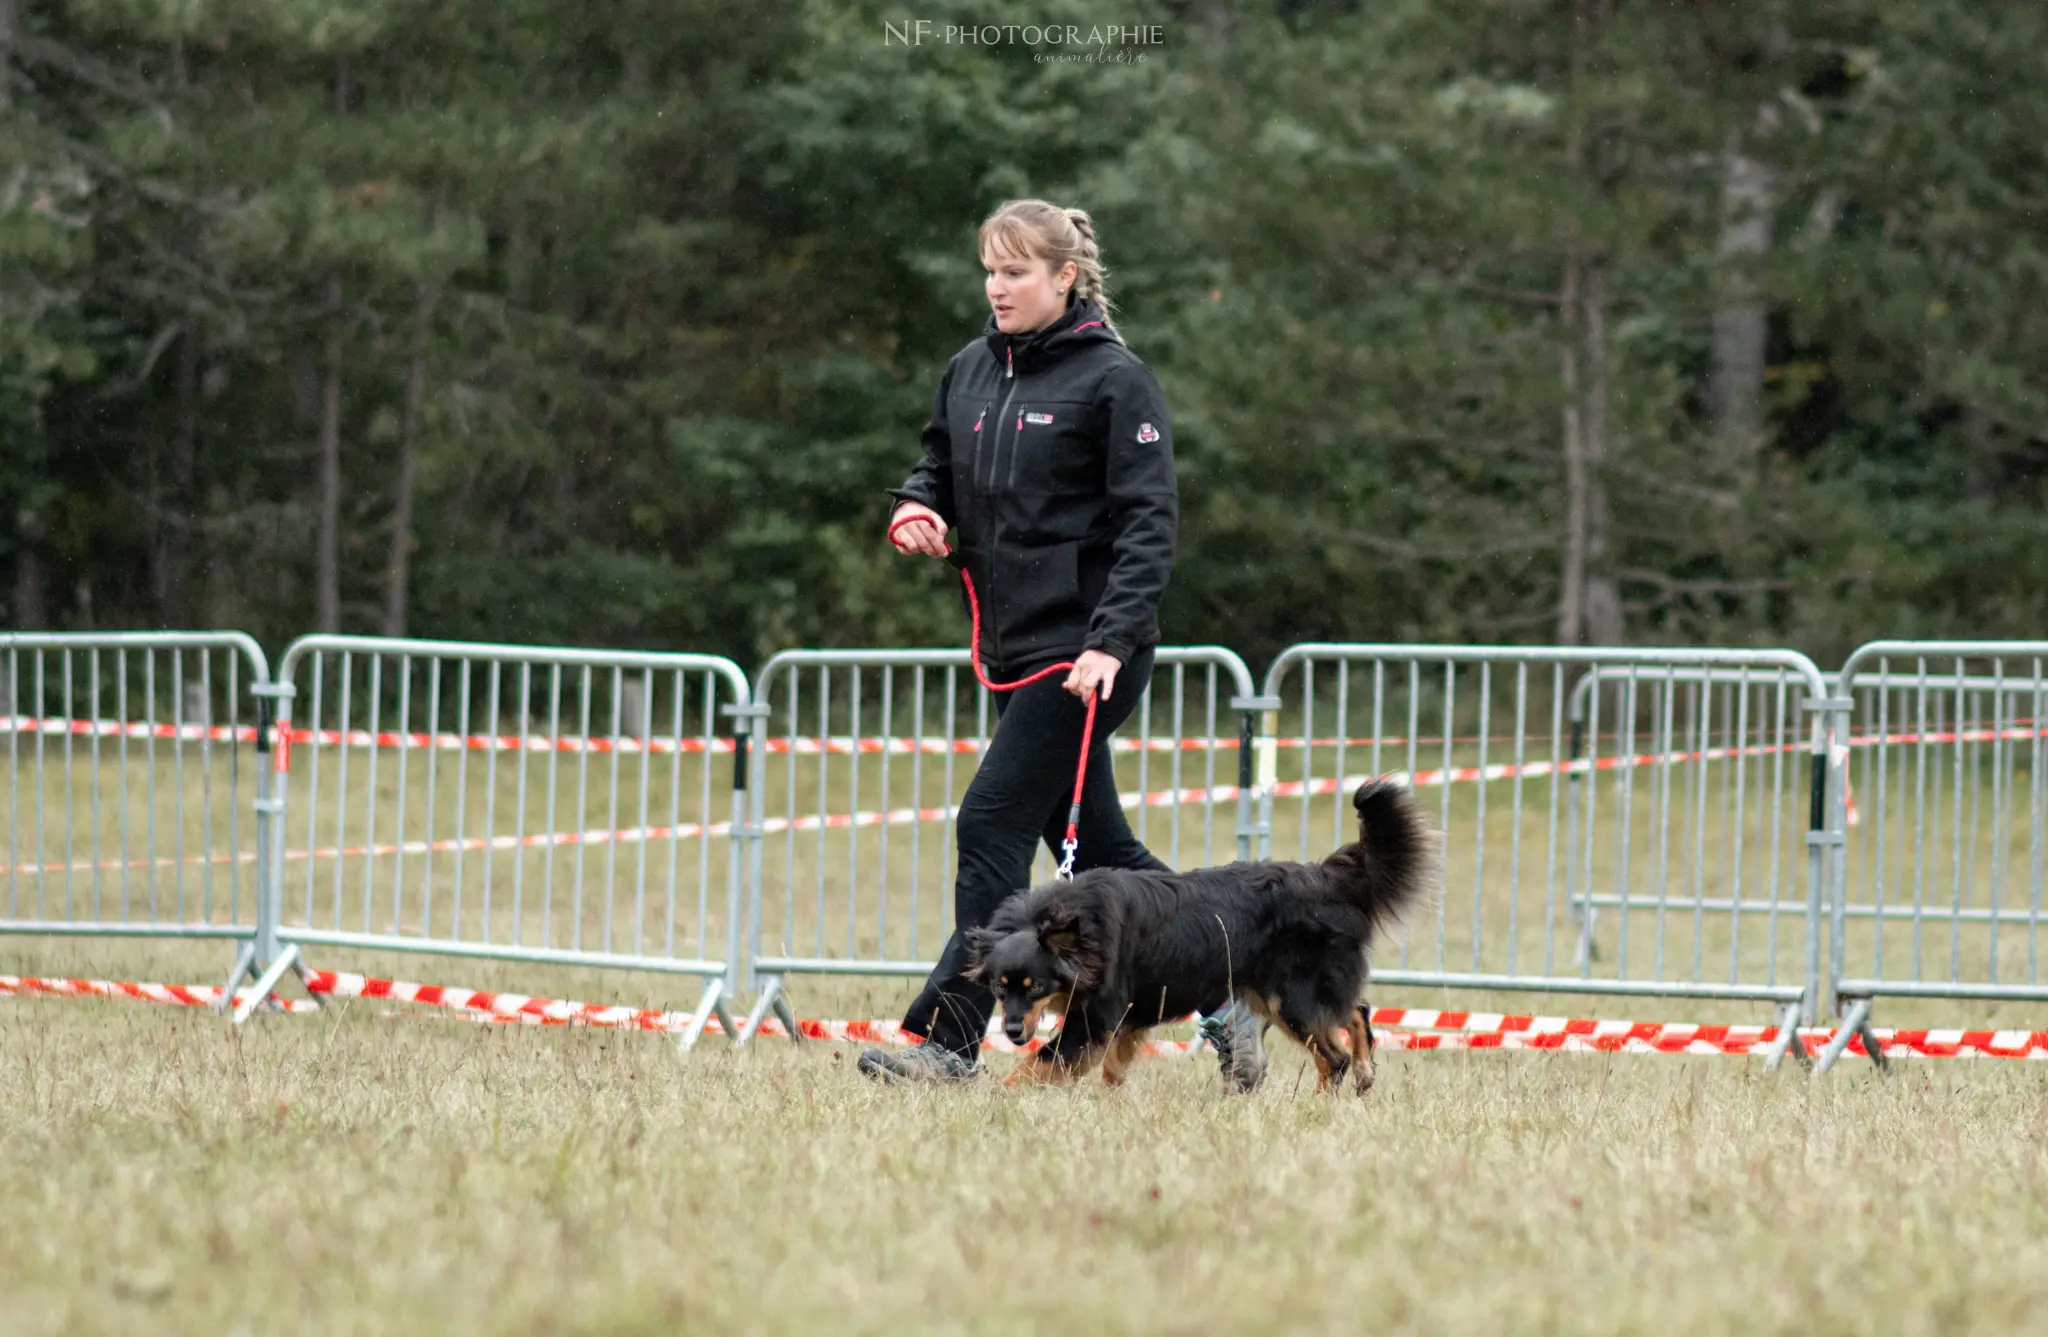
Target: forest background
x=607, y=323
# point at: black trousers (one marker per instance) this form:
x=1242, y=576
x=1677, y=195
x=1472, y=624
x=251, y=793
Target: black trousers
x=1017, y=798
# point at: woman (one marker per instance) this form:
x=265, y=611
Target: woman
x=1049, y=455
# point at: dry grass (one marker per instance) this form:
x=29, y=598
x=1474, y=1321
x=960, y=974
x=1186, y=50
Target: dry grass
x=355, y=1173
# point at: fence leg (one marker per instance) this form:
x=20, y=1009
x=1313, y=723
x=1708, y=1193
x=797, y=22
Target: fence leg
x=1855, y=1022
x=266, y=984
x=1789, y=1040
x=245, y=962
x=771, y=997
x=711, y=1002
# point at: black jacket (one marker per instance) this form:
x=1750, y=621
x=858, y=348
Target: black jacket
x=1050, y=455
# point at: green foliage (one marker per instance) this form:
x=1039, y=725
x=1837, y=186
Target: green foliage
x=679, y=279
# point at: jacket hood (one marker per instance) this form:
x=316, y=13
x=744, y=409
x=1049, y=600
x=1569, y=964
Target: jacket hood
x=1080, y=325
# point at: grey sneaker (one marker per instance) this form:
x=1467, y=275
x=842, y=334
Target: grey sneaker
x=919, y=1063
x=1236, y=1033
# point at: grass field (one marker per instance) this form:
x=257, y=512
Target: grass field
x=356, y=1173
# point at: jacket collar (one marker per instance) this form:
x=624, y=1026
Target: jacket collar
x=1080, y=325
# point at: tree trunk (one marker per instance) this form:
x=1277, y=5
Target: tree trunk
x=396, y=573
x=1571, y=585
x=328, y=580
x=1737, y=387
x=174, y=494
x=1603, y=623
x=28, y=610
x=7, y=30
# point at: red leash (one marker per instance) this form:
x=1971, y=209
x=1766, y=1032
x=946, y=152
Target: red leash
x=1073, y=840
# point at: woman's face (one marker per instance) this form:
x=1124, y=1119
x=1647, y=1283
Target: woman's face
x=1025, y=293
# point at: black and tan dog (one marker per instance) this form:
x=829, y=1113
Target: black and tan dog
x=1121, y=952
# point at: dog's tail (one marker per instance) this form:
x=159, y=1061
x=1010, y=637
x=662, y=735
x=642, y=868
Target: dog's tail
x=1395, y=862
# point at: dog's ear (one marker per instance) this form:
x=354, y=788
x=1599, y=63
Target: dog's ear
x=1071, y=934
x=980, y=942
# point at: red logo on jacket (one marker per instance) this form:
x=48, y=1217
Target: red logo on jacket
x=1147, y=433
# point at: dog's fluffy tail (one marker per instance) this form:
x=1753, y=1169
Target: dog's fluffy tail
x=1395, y=862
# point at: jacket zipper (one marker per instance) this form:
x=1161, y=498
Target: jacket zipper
x=995, y=522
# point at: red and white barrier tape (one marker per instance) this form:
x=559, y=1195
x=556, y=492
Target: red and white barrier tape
x=1424, y=1029
x=834, y=745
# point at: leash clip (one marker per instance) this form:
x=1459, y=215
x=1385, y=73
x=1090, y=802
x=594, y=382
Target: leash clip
x=1066, y=868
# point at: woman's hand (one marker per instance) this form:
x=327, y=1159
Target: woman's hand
x=925, y=534
x=1093, y=668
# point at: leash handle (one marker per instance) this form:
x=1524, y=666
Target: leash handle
x=1073, y=839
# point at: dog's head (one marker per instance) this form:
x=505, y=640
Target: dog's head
x=1026, y=973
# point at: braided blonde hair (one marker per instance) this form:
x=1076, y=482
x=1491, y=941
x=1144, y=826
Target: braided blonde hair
x=1044, y=231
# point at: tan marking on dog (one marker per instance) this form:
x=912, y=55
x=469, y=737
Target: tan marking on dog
x=1123, y=1051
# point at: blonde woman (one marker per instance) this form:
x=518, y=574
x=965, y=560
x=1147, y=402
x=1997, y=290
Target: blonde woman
x=1048, y=460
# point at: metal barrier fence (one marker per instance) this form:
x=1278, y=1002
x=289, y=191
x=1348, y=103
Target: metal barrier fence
x=1616, y=822
x=555, y=806
x=1663, y=786
x=1939, y=894
x=864, y=756
x=132, y=759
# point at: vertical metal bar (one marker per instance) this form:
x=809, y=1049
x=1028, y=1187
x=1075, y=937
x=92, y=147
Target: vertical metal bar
x=1479, y=821
x=520, y=842
x=643, y=729
x=341, y=781
x=582, y=815
x=888, y=737
x=1209, y=750
x=1515, y=810
x=205, y=741
x=2001, y=796
x=824, y=790
x=1664, y=740
x=1779, y=746
x=1955, y=922
x=1881, y=762
x=853, y=823
x=16, y=724
x=554, y=830
x=370, y=797
x=917, y=688
x=1308, y=751
x=433, y=810
x=1338, y=836
x=14, y=770
x=92, y=699
x=1450, y=729
x=1625, y=826
x=149, y=699
x=679, y=694
x=1414, y=729
x=2035, y=817
x=42, y=800
x=1180, y=674
x=952, y=751
x=1702, y=788
x=1144, y=762
x=403, y=736
x=313, y=791
x=70, y=715
x=1558, y=782
x=707, y=712
x=461, y=794
x=177, y=766
x=494, y=714
x=233, y=736
x=789, y=811
x=1740, y=824
x=1920, y=730
x=611, y=819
